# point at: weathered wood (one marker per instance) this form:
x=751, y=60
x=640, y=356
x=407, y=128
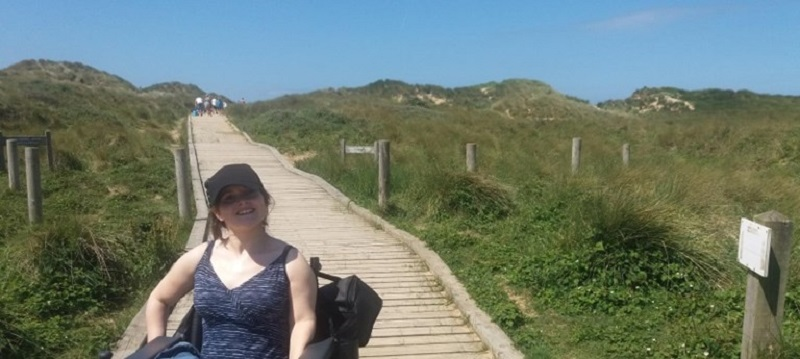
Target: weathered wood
x=764, y=301
x=576, y=154
x=401, y=355
x=419, y=319
x=13, y=164
x=343, y=149
x=472, y=150
x=182, y=181
x=360, y=149
x=2, y=153
x=51, y=161
x=34, y=185
x=626, y=154
x=454, y=349
x=384, y=174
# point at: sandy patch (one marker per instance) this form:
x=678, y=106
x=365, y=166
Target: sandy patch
x=297, y=157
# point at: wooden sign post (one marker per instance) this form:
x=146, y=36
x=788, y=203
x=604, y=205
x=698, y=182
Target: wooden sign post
x=765, y=246
x=33, y=141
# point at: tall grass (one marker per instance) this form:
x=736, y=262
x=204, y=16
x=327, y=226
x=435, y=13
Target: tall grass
x=610, y=262
x=69, y=286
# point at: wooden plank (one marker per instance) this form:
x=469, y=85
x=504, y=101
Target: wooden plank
x=424, y=339
x=418, y=320
x=400, y=355
x=418, y=349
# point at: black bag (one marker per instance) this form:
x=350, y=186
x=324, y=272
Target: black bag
x=346, y=311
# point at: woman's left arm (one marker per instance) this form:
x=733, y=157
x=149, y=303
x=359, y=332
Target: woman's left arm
x=303, y=285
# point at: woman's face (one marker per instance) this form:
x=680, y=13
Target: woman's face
x=240, y=207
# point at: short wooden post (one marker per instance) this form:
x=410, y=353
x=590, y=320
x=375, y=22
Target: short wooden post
x=761, y=334
x=49, y=142
x=576, y=154
x=34, y=182
x=181, y=180
x=375, y=151
x=626, y=154
x=2, y=153
x=13, y=166
x=343, y=149
x=383, y=174
x=471, y=157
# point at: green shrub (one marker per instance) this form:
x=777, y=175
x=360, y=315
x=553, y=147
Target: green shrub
x=474, y=196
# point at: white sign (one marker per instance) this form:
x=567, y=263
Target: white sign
x=755, y=241
x=360, y=149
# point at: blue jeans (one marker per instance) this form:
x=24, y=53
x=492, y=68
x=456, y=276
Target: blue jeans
x=180, y=350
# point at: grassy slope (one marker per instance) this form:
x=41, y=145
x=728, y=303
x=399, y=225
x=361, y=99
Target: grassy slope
x=70, y=286
x=614, y=262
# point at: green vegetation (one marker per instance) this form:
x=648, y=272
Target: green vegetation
x=69, y=287
x=612, y=262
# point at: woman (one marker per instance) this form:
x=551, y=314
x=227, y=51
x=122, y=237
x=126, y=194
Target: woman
x=255, y=293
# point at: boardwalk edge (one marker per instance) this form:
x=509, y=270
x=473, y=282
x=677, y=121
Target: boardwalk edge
x=135, y=333
x=498, y=342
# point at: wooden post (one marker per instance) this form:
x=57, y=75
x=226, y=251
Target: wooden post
x=49, y=143
x=182, y=180
x=383, y=174
x=13, y=166
x=376, y=150
x=2, y=153
x=761, y=334
x=626, y=154
x=343, y=148
x=471, y=157
x=34, y=182
x=576, y=154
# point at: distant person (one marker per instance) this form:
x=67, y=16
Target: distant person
x=255, y=293
x=243, y=101
x=198, y=106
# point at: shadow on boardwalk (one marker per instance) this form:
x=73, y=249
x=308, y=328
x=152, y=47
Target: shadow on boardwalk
x=426, y=312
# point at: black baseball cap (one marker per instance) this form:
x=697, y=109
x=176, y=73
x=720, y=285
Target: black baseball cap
x=233, y=174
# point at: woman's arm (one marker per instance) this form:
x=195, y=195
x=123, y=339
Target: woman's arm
x=178, y=281
x=304, y=300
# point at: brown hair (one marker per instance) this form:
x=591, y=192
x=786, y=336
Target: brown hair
x=216, y=226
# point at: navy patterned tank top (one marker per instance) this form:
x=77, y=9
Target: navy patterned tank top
x=250, y=321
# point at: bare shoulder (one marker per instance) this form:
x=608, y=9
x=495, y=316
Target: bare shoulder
x=296, y=264
x=190, y=259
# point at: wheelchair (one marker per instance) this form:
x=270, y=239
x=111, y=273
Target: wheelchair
x=346, y=312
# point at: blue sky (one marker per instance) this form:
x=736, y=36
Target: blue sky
x=595, y=50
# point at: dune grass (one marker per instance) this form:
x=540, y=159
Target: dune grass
x=610, y=262
x=69, y=287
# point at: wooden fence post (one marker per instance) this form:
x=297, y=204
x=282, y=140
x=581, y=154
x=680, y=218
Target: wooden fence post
x=49, y=143
x=182, y=179
x=2, y=153
x=13, y=166
x=626, y=154
x=765, y=297
x=576, y=154
x=471, y=157
x=343, y=148
x=383, y=174
x=34, y=181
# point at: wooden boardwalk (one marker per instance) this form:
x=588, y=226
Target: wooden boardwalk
x=426, y=313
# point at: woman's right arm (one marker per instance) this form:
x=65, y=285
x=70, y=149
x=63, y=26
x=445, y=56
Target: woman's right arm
x=178, y=281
